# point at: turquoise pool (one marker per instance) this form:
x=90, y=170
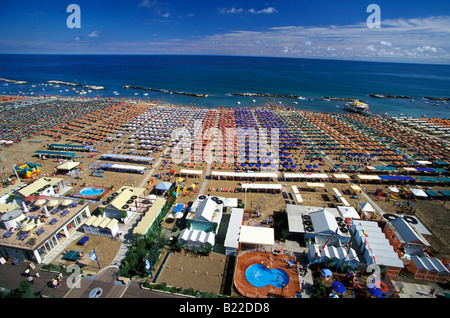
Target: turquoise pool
x=91, y=191
x=259, y=276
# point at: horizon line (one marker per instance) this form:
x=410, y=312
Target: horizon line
x=227, y=55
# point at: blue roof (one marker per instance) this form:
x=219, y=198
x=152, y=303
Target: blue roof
x=163, y=186
x=403, y=178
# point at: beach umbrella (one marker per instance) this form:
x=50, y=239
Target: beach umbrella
x=52, y=203
x=28, y=227
x=66, y=202
x=338, y=287
x=374, y=290
x=326, y=272
x=29, y=198
x=40, y=202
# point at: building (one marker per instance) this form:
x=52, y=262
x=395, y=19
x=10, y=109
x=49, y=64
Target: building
x=317, y=225
x=202, y=223
x=332, y=255
x=231, y=243
x=33, y=235
x=427, y=268
x=42, y=186
x=151, y=217
x=406, y=234
x=101, y=226
x=122, y=204
x=205, y=214
x=374, y=246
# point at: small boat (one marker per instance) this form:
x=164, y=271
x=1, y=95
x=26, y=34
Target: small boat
x=295, y=103
x=239, y=103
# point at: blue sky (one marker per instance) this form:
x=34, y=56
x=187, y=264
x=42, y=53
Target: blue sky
x=411, y=31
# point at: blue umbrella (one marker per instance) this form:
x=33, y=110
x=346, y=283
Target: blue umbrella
x=338, y=287
x=326, y=272
x=315, y=166
x=374, y=290
x=243, y=164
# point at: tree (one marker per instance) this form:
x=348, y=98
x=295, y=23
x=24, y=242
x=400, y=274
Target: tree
x=319, y=289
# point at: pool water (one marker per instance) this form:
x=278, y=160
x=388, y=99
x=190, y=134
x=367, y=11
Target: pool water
x=91, y=191
x=259, y=276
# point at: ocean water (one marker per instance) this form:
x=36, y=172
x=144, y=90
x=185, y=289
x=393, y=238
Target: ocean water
x=217, y=76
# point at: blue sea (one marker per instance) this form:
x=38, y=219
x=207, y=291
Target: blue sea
x=218, y=76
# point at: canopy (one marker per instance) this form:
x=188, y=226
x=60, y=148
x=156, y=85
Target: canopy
x=257, y=235
x=164, y=186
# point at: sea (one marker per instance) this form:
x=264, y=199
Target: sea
x=181, y=79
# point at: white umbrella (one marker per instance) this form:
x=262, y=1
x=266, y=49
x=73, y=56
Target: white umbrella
x=40, y=202
x=24, y=207
x=53, y=203
x=66, y=202
x=28, y=227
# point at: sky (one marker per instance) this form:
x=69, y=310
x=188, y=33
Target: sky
x=413, y=31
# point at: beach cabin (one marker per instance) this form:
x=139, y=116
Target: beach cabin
x=332, y=256
x=197, y=240
x=101, y=226
x=431, y=269
x=122, y=204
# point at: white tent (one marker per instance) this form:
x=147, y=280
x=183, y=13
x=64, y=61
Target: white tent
x=366, y=207
x=419, y=193
x=348, y=212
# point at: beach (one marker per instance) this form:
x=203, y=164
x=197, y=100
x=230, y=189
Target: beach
x=367, y=159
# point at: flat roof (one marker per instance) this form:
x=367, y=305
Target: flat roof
x=257, y=235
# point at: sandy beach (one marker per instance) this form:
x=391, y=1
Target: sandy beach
x=320, y=143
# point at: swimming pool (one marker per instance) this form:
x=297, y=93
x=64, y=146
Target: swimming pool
x=91, y=191
x=259, y=276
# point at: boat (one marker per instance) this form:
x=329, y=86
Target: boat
x=357, y=106
x=295, y=103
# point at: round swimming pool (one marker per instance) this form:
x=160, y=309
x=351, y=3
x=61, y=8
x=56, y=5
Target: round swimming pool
x=259, y=276
x=91, y=191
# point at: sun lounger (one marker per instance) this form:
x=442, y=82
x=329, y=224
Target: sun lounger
x=40, y=231
x=83, y=240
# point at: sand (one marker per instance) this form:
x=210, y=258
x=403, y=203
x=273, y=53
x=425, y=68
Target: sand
x=434, y=214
